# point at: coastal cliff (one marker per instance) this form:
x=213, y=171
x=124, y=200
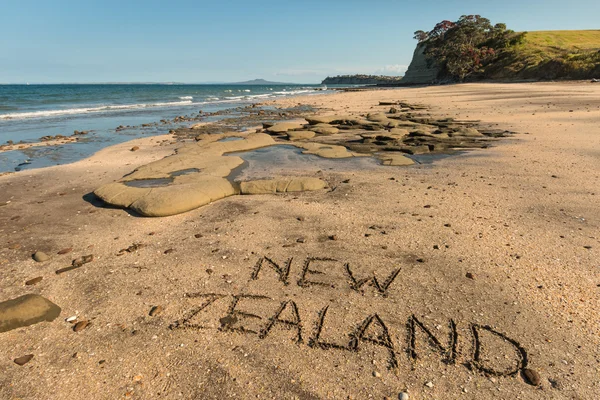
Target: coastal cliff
x=420, y=71
x=360, y=79
x=539, y=56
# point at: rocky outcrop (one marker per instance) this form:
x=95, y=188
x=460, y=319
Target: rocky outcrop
x=419, y=72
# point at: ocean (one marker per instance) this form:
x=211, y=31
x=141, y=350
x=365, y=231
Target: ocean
x=29, y=112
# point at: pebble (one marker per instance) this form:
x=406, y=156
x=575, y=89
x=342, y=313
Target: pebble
x=470, y=275
x=300, y=240
x=155, y=310
x=376, y=374
x=23, y=360
x=532, y=377
x=333, y=237
x=135, y=148
x=429, y=384
x=33, y=281
x=82, y=260
x=40, y=256
x=168, y=251
x=65, y=251
x=81, y=325
x=403, y=396
x=71, y=319
x=198, y=235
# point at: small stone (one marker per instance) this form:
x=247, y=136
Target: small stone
x=82, y=260
x=300, y=219
x=135, y=148
x=532, y=377
x=332, y=237
x=429, y=384
x=65, y=251
x=23, y=360
x=40, y=256
x=403, y=396
x=168, y=251
x=81, y=325
x=376, y=374
x=587, y=247
x=155, y=310
x=33, y=281
x=470, y=275
x=300, y=240
x=198, y=235
x=71, y=319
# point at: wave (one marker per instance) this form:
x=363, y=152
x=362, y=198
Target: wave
x=186, y=98
x=87, y=110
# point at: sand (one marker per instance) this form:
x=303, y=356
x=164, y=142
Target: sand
x=441, y=280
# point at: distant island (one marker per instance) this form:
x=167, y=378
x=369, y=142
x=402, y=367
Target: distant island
x=361, y=79
x=261, y=82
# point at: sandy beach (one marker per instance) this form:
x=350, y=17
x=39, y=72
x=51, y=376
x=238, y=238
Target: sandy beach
x=474, y=277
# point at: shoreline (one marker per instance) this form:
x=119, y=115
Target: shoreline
x=346, y=284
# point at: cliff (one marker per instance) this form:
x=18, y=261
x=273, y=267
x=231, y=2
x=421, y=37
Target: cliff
x=419, y=71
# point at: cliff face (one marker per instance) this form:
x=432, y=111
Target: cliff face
x=418, y=72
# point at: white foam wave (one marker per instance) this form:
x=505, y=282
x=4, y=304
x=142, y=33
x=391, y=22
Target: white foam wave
x=87, y=110
x=186, y=98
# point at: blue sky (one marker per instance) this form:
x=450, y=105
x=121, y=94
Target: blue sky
x=202, y=41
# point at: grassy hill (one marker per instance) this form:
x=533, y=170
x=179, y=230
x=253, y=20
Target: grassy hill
x=550, y=55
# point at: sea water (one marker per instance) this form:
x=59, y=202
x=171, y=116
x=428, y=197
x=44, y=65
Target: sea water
x=28, y=112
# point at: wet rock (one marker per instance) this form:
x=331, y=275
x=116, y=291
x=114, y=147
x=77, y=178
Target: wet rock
x=23, y=360
x=532, y=377
x=81, y=325
x=33, y=281
x=40, y=256
x=26, y=310
x=155, y=311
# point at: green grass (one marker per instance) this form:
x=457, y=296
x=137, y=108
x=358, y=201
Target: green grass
x=572, y=41
x=551, y=55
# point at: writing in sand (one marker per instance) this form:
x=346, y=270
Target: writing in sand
x=266, y=316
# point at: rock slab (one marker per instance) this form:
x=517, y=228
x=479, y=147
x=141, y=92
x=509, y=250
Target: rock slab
x=26, y=310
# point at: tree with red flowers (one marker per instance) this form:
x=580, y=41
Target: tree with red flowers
x=464, y=47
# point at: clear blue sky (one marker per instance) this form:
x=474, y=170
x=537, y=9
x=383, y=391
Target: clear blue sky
x=54, y=41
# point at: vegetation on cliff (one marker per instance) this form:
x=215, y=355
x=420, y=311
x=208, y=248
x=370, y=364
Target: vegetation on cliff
x=472, y=48
x=361, y=80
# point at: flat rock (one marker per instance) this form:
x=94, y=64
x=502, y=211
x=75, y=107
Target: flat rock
x=324, y=129
x=26, y=310
x=266, y=186
x=300, y=135
x=283, y=127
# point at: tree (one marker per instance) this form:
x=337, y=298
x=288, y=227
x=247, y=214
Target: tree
x=464, y=47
